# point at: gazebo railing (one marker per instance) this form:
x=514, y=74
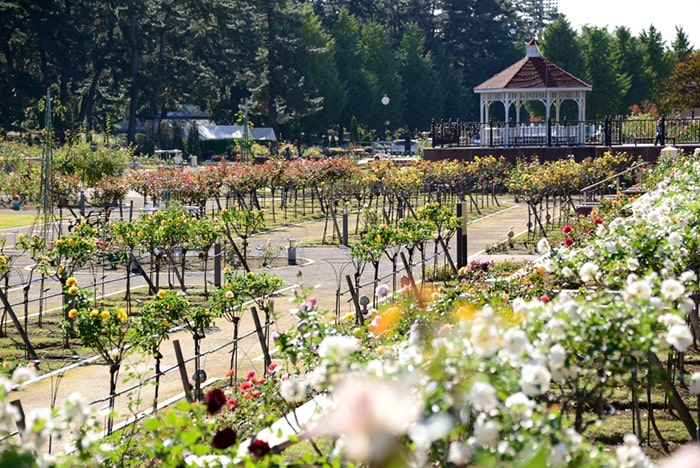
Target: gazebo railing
x=603, y=132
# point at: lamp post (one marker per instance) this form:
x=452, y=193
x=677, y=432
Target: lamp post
x=385, y=103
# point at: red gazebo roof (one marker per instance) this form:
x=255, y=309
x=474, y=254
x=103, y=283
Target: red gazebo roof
x=532, y=72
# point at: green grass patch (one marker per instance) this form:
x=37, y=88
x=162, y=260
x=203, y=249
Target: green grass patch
x=10, y=220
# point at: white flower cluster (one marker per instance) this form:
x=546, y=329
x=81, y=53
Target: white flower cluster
x=72, y=417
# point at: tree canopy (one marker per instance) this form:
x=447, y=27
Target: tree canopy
x=304, y=66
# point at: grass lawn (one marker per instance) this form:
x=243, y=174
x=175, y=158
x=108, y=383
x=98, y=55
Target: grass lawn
x=10, y=220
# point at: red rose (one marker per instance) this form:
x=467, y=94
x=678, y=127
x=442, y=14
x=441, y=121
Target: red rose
x=215, y=399
x=224, y=438
x=259, y=448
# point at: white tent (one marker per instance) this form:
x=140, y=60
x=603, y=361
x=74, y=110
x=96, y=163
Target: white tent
x=234, y=132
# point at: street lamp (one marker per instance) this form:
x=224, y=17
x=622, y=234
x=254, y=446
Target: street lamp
x=385, y=103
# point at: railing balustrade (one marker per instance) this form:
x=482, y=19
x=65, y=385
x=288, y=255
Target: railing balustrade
x=609, y=131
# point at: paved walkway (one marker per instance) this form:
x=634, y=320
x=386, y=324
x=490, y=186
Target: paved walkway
x=323, y=267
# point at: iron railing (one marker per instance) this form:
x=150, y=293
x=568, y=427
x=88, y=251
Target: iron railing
x=609, y=131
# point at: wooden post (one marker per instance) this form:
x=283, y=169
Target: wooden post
x=20, y=415
x=261, y=337
x=358, y=310
x=217, y=265
x=18, y=326
x=151, y=287
x=183, y=371
x=674, y=397
x=411, y=280
x=462, y=256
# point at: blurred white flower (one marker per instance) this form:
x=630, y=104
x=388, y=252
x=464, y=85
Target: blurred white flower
x=566, y=272
x=337, y=347
x=685, y=457
x=559, y=455
x=639, y=289
x=75, y=409
x=679, y=337
x=483, y=397
x=557, y=356
x=588, y=271
x=23, y=374
x=670, y=319
x=484, y=336
x=687, y=276
x=38, y=427
x=630, y=453
x=571, y=308
x=601, y=231
x=486, y=433
x=293, y=390
x=520, y=405
x=632, y=263
x=611, y=246
x=672, y=289
x=543, y=246
x=515, y=342
x=686, y=305
x=674, y=239
x=556, y=329
x=535, y=379
x=694, y=384
x=429, y=430
x=368, y=414
x=459, y=454
x=208, y=461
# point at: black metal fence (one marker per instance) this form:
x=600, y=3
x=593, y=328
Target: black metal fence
x=609, y=131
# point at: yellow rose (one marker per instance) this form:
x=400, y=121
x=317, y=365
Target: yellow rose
x=94, y=313
x=121, y=315
x=73, y=290
x=73, y=313
x=71, y=281
x=161, y=294
x=104, y=314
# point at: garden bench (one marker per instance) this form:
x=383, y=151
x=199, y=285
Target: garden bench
x=93, y=216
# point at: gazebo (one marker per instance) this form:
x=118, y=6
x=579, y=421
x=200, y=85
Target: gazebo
x=533, y=78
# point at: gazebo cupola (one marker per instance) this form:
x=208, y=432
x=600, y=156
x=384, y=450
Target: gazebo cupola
x=532, y=78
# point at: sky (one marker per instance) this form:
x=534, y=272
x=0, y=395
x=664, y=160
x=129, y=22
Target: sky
x=637, y=15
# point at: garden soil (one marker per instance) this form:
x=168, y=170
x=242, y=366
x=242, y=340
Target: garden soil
x=318, y=271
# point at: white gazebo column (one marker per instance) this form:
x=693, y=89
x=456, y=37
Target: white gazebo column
x=582, y=117
x=518, y=106
x=484, y=116
x=506, y=133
